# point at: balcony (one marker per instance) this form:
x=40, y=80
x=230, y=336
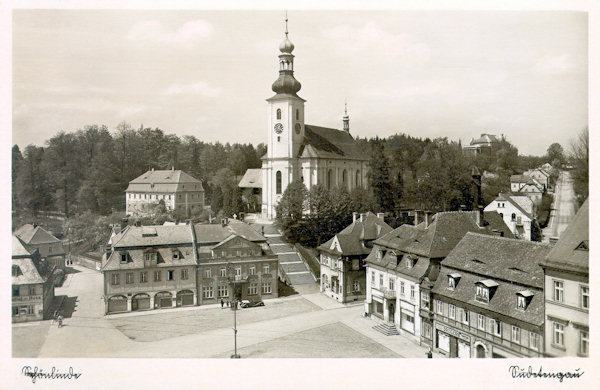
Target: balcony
x=388, y=294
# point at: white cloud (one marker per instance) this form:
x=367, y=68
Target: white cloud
x=424, y=89
x=554, y=65
x=200, y=88
x=186, y=36
x=132, y=110
x=371, y=37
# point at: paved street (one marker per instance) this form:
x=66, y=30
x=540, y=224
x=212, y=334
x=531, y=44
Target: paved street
x=304, y=325
x=563, y=207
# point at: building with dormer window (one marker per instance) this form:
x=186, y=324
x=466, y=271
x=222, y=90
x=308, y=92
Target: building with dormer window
x=404, y=263
x=489, y=299
x=177, y=190
x=342, y=258
x=152, y=267
x=32, y=284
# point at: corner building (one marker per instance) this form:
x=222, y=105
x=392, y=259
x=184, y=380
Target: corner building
x=300, y=152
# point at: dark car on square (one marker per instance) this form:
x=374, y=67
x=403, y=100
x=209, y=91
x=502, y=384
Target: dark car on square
x=246, y=303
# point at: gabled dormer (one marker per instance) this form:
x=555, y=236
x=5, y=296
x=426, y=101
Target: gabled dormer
x=453, y=280
x=124, y=257
x=523, y=299
x=176, y=254
x=484, y=290
x=411, y=260
x=150, y=257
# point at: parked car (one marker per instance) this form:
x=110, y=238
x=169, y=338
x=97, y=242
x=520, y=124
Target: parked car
x=246, y=303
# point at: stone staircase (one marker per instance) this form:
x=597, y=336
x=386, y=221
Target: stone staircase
x=387, y=329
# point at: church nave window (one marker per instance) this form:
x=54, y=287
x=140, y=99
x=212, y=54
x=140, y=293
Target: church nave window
x=279, y=113
x=278, y=182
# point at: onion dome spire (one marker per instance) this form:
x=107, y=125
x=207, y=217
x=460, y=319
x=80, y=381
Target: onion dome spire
x=346, y=118
x=286, y=83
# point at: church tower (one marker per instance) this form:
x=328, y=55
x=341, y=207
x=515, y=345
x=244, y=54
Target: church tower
x=285, y=130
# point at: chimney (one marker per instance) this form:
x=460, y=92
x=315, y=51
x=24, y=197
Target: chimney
x=172, y=168
x=124, y=223
x=152, y=169
x=426, y=218
x=479, y=216
x=354, y=216
x=108, y=250
x=35, y=225
x=363, y=217
x=416, y=217
x=380, y=215
x=224, y=222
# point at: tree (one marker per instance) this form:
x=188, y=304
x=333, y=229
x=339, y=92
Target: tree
x=555, y=155
x=17, y=161
x=379, y=177
x=580, y=155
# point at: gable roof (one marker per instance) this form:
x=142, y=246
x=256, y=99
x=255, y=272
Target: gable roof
x=164, y=181
x=500, y=258
x=31, y=271
x=215, y=233
x=517, y=205
x=509, y=265
x=351, y=238
x=569, y=253
x=34, y=235
x=435, y=240
x=134, y=236
x=326, y=142
x=18, y=249
x=251, y=179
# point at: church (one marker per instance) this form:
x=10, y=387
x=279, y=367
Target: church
x=298, y=151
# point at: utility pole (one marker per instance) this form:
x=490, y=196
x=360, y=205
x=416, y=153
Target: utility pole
x=234, y=302
x=235, y=354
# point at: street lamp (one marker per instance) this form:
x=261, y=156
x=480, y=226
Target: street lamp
x=234, y=305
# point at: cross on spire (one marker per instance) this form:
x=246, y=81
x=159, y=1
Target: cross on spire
x=345, y=106
x=286, y=27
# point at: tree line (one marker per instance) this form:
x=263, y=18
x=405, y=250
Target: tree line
x=88, y=170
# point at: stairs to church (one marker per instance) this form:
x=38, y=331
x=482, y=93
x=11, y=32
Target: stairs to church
x=387, y=329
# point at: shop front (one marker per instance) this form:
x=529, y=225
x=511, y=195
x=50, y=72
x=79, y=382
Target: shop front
x=407, y=317
x=452, y=342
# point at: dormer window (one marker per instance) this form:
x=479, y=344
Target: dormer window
x=482, y=294
x=410, y=261
x=15, y=270
x=123, y=257
x=453, y=279
x=379, y=254
x=523, y=299
x=176, y=254
x=484, y=290
x=149, y=258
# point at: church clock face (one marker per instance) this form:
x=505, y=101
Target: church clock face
x=297, y=128
x=278, y=128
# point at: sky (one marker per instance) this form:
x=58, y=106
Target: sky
x=452, y=74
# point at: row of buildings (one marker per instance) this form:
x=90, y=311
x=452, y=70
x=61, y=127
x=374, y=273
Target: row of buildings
x=150, y=267
x=463, y=284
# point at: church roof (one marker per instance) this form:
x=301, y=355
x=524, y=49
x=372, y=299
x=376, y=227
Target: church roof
x=252, y=178
x=324, y=142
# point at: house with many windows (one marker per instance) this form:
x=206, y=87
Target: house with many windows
x=177, y=190
x=404, y=263
x=488, y=299
x=485, y=144
x=49, y=247
x=567, y=286
x=32, y=284
x=342, y=258
x=151, y=267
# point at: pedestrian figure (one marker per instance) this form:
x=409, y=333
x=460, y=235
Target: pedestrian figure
x=262, y=230
x=222, y=303
x=228, y=303
x=60, y=321
x=430, y=353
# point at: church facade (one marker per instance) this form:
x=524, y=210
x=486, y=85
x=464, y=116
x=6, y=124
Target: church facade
x=300, y=152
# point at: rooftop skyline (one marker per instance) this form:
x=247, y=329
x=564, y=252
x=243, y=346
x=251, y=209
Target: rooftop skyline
x=452, y=74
